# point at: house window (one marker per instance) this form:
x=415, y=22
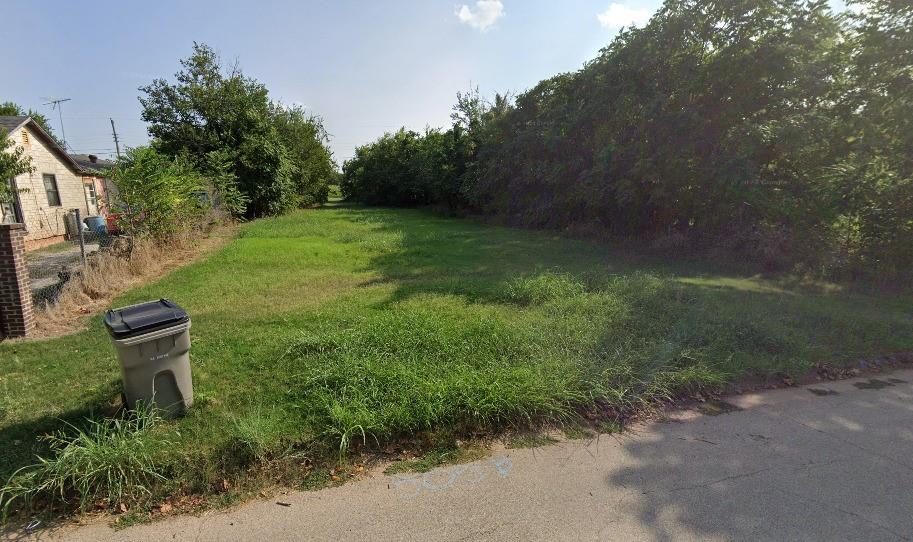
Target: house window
x=91, y=197
x=50, y=188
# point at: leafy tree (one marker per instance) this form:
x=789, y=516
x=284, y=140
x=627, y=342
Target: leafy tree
x=213, y=109
x=383, y=173
x=158, y=195
x=13, y=162
x=780, y=131
x=438, y=167
x=872, y=181
x=11, y=109
x=306, y=141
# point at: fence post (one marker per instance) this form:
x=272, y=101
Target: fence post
x=17, y=317
x=82, y=242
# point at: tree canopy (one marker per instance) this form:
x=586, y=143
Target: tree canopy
x=278, y=155
x=776, y=129
x=13, y=162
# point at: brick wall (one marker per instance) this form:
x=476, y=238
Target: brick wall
x=17, y=317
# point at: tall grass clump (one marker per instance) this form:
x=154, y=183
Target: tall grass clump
x=260, y=433
x=543, y=287
x=630, y=334
x=440, y=363
x=429, y=365
x=114, y=460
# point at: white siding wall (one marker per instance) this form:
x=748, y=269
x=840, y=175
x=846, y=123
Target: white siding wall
x=41, y=219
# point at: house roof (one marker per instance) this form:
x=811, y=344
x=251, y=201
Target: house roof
x=85, y=162
x=10, y=123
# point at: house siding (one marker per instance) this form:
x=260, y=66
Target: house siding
x=46, y=224
x=101, y=195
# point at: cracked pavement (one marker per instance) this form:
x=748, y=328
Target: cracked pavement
x=833, y=461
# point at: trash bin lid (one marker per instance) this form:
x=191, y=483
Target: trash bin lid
x=144, y=318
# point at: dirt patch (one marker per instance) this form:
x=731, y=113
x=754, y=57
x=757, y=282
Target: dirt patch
x=109, y=274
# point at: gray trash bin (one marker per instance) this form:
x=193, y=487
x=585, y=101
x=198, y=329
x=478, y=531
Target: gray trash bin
x=153, y=344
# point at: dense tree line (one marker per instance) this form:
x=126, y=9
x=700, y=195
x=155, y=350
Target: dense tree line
x=778, y=129
x=224, y=123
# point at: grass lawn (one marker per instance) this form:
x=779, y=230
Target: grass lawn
x=325, y=329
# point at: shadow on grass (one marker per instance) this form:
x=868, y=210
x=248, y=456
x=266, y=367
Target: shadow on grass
x=462, y=256
x=21, y=440
x=744, y=323
x=466, y=257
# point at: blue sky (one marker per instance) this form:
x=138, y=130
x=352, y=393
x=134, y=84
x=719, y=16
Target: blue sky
x=366, y=67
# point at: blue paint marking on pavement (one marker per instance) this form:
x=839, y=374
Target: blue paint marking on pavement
x=502, y=465
x=411, y=485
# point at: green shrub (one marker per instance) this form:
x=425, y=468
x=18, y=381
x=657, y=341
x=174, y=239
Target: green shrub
x=157, y=195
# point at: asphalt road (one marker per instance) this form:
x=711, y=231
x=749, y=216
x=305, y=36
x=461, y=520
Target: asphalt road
x=832, y=461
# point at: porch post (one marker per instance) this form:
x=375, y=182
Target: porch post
x=17, y=317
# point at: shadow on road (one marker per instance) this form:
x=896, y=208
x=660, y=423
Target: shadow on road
x=832, y=466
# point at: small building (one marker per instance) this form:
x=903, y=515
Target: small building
x=96, y=178
x=42, y=199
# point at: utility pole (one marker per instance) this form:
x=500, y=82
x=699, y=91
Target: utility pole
x=114, y=132
x=55, y=104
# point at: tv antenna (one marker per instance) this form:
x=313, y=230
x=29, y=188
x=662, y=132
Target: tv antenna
x=55, y=104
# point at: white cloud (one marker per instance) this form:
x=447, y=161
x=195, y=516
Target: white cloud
x=619, y=15
x=483, y=16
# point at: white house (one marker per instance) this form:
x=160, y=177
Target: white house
x=43, y=198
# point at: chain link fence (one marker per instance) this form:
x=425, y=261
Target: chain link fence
x=51, y=267
x=89, y=239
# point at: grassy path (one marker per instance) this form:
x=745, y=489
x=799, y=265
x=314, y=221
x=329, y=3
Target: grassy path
x=330, y=327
